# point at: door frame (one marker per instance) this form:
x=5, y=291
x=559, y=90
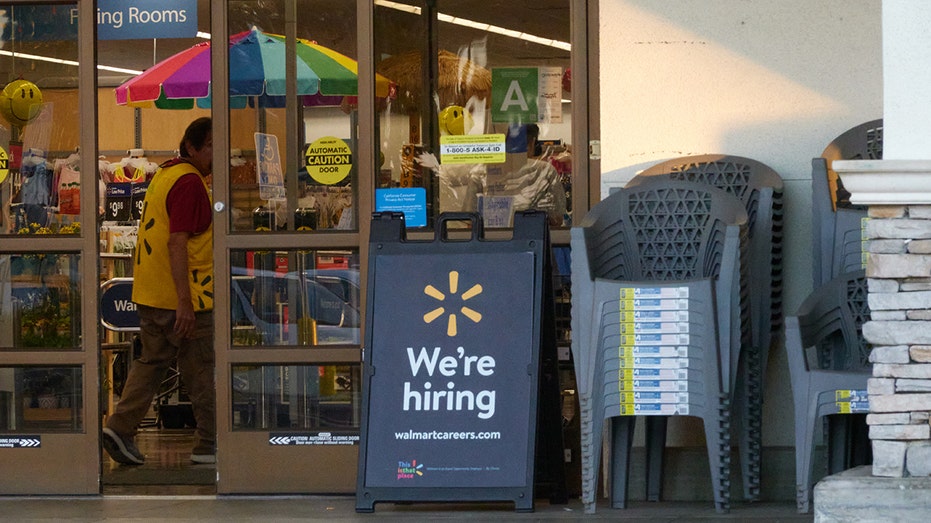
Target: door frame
x=246, y=462
x=68, y=463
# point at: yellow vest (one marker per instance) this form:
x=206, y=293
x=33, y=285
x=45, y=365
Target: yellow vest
x=152, y=272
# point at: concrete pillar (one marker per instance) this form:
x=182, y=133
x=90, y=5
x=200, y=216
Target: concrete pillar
x=906, y=79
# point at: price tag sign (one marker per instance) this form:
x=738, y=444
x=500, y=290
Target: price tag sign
x=118, y=202
x=138, y=198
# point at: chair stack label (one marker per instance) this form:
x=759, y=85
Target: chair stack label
x=851, y=401
x=647, y=369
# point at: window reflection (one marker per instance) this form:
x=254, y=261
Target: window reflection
x=296, y=397
x=481, y=119
x=295, y=297
x=271, y=189
x=40, y=399
x=39, y=181
x=40, y=301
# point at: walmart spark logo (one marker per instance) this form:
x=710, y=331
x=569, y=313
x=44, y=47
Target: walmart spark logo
x=451, y=325
x=409, y=469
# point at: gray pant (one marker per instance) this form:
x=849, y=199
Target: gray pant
x=196, y=361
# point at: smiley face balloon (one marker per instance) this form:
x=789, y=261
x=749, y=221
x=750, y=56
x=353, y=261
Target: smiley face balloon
x=20, y=102
x=455, y=120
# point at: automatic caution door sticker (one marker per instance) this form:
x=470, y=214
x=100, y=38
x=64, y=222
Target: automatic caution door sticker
x=20, y=442
x=328, y=160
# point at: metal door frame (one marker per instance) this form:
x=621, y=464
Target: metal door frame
x=246, y=463
x=68, y=463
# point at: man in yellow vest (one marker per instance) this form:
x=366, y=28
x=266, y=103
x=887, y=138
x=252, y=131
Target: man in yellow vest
x=173, y=292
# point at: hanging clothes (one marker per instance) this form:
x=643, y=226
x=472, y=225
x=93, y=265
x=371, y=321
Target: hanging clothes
x=68, y=186
x=134, y=168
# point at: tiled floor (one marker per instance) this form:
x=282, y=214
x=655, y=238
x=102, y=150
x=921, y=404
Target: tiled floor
x=167, y=471
x=342, y=508
x=170, y=488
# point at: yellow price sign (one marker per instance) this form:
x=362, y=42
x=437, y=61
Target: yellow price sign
x=473, y=148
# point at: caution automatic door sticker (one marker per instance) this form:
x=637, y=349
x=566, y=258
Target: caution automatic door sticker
x=328, y=160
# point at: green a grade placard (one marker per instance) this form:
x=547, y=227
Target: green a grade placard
x=514, y=92
x=451, y=363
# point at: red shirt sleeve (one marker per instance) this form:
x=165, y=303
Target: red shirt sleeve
x=188, y=205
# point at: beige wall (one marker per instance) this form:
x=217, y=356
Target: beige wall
x=161, y=130
x=773, y=81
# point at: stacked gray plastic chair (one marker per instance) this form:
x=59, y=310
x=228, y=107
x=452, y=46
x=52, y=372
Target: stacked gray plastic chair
x=760, y=189
x=835, y=313
x=839, y=246
x=677, y=247
x=836, y=224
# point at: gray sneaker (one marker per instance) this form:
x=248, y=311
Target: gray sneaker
x=204, y=459
x=122, y=450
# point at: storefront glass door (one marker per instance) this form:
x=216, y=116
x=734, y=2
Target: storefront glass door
x=136, y=132
x=288, y=368
x=304, y=153
x=322, y=158
x=48, y=358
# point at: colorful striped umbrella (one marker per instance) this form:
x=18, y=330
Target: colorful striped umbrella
x=257, y=72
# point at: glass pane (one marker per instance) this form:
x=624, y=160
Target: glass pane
x=313, y=188
x=481, y=121
x=39, y=181
x=296, y=397
x=40, y=399
x=295, y=297
x=142, y=114
x=40, y=303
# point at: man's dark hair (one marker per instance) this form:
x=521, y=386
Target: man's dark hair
x=196, y=135
x=533, y=136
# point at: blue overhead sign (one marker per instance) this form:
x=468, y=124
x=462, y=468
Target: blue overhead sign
x=116, y=20
x=143, y=19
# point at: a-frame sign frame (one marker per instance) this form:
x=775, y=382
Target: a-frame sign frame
x=452, y=361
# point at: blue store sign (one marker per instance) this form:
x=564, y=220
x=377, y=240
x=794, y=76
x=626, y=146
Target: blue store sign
x=116, y=20
x=117, y=310
x=143, y=19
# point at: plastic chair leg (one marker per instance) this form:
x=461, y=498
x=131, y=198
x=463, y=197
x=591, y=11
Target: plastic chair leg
x=656, y=445
x=806, y=417
x=622, y=437
x=837, y=437
x=747, y=408
x=718, y=441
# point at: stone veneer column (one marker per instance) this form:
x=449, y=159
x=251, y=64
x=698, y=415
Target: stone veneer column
x=898, y=485
x=898, y=268
x=897, y=190
x=899, y=278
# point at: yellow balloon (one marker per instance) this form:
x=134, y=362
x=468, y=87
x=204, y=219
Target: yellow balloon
x=455, y=120
x=20, y=102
